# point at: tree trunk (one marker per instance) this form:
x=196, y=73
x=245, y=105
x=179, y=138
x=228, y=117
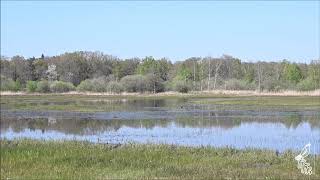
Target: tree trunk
x=209, y=75
x=201, y=75
x=215, y=80
x=259, y=77
x=216, y=74
x=194, y=75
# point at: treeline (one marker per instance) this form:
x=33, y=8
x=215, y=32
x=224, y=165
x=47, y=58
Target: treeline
x=95, y=71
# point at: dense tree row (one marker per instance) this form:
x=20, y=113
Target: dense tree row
x=95, y=71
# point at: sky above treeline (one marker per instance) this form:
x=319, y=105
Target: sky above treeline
x=249, y=30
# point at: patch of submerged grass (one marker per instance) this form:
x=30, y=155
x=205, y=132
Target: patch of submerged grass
x=30, y=159
x=116, y=103
x=74, y=103
x=265, y=101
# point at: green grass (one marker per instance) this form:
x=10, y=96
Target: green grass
x=76, y=103
x=83, y=103
x=265, y=101
x=31, y=159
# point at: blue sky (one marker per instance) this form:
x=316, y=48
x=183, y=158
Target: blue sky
x=248, y=30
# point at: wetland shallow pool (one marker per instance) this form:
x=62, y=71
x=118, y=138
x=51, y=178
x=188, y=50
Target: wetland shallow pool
x=276, y=123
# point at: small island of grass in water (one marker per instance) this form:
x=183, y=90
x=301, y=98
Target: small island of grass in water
x=32, y=159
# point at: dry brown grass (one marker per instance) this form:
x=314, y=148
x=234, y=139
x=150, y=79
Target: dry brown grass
x=172, y=93
x=265, y=93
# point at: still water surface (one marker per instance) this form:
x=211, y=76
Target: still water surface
x=178, y=121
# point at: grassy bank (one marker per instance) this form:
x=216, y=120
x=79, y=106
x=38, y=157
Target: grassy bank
x=90, y=103
x=29, y=159
x=263, y=101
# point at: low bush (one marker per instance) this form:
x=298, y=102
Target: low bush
x=306, y=85
x=110, y=78
x=43, y=86
x=8, y=84
x=114, y=87
x=31, y=86
x=95, y=85
x=134, y=83
x=85, y=85
x=60, y=86
x=181, y=86
x=236, y=84
x=168, y=86
x=271, y=85
x=153, y=83
x=100, y=84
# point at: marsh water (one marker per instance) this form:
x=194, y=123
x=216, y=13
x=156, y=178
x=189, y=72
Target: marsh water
x=188, y=121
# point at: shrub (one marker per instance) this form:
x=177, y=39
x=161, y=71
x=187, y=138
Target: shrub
x=271, y=85
x=86, y=85
x=306, y=85
x=168, y=86
x=110, y=78
x=235, y=84
x=60, y=86
x=99, y=84
x=284, y=84
x=153, y=83
x=96, y=85
x=43, y=86
x=134, y=83
x=181, y=86
x=31, y=86
x=114, y=87
x=17, y=86
x=8, y=84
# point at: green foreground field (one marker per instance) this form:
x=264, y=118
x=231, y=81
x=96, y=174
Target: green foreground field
x=31, y=159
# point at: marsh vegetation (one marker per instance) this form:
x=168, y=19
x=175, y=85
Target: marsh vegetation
x=175, y=136
x=29, y=159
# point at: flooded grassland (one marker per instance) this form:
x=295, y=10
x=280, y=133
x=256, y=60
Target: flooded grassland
x=277, y=125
